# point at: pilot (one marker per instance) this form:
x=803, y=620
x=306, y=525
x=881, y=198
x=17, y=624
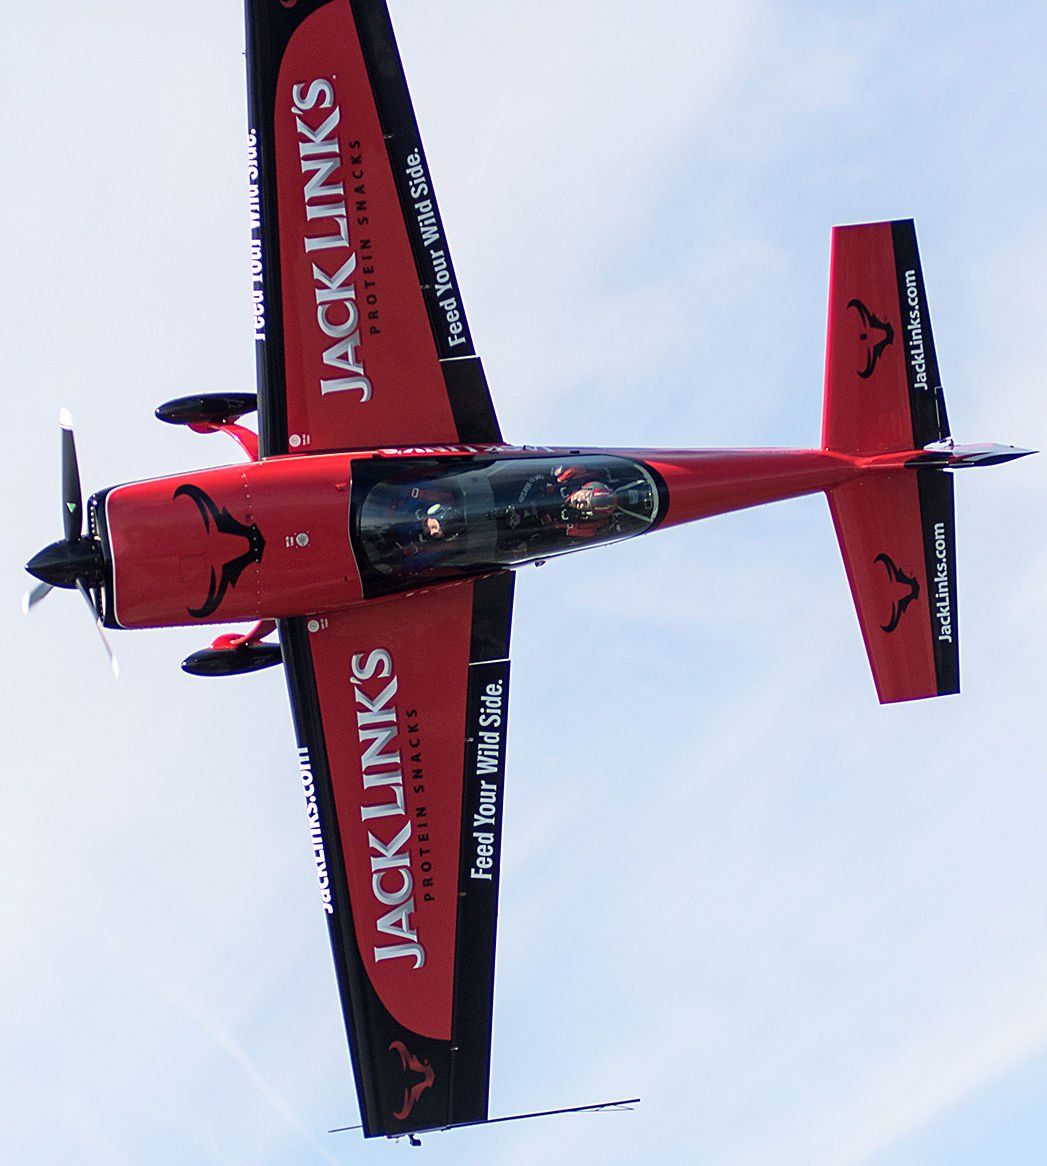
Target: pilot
x=593, y=502
x=565, y=501
x=439, y=522
x=588, y=508
x=421, y=520
x=422, y=543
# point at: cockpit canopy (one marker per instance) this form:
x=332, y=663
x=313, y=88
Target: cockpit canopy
x=429, y=519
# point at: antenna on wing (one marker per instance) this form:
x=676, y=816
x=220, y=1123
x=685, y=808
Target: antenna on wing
x=623, y=1106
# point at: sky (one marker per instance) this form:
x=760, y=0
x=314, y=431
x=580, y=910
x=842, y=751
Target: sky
x=805, y=929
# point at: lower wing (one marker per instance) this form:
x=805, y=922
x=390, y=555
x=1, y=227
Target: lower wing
x=400, y=710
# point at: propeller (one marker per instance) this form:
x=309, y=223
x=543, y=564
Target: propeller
x=32, y=598
x=72, y=499
x=74, y=561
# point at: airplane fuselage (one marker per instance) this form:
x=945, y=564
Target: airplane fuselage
x=297, y=535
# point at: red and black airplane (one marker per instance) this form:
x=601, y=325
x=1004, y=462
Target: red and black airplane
x=379, y=517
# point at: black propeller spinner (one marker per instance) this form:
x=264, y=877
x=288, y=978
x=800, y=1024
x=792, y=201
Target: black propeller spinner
x=74, y=561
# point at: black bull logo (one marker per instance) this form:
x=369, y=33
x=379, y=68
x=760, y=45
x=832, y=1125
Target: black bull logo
x=907, y=589
x=419, y=1076
x=224, y=523
x=875, y=334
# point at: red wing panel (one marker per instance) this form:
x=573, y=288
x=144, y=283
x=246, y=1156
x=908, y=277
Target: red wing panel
x=362, y=338
x=400, y=708
x=897, y=535
x=882, y=389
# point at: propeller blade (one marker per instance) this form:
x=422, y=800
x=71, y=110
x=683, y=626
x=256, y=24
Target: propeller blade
x=101, y=630
x=72, y=500
x=32, y=598
x=74, y=561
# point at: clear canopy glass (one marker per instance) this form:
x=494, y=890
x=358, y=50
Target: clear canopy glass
x=442, y=519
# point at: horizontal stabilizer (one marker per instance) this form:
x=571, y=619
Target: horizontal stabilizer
x=962, y=456
x=882, y=387
x=897, y=535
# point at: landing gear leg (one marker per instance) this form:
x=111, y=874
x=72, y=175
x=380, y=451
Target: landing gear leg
x=214, y=413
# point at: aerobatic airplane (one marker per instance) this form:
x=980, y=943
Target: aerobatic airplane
x=378, y=519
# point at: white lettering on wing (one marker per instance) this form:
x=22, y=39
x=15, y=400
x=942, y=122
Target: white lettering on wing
x=337, y=313
x=312, y=814
x=392, y=876
x=490, y=742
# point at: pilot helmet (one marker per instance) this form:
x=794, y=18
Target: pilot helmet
x=593, y=500
x=441, y=522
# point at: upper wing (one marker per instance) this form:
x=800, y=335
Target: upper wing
x=882, y=389
x=362, y=337
x=400, y=711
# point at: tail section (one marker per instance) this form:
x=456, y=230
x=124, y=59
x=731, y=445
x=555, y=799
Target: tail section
x=897, y=535
x=896, y=522
x=882, y=391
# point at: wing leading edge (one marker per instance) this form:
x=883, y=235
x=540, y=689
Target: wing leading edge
x=362, y=338
x=400, y=712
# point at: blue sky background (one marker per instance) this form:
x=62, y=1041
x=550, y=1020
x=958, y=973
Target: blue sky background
x=805, y=929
